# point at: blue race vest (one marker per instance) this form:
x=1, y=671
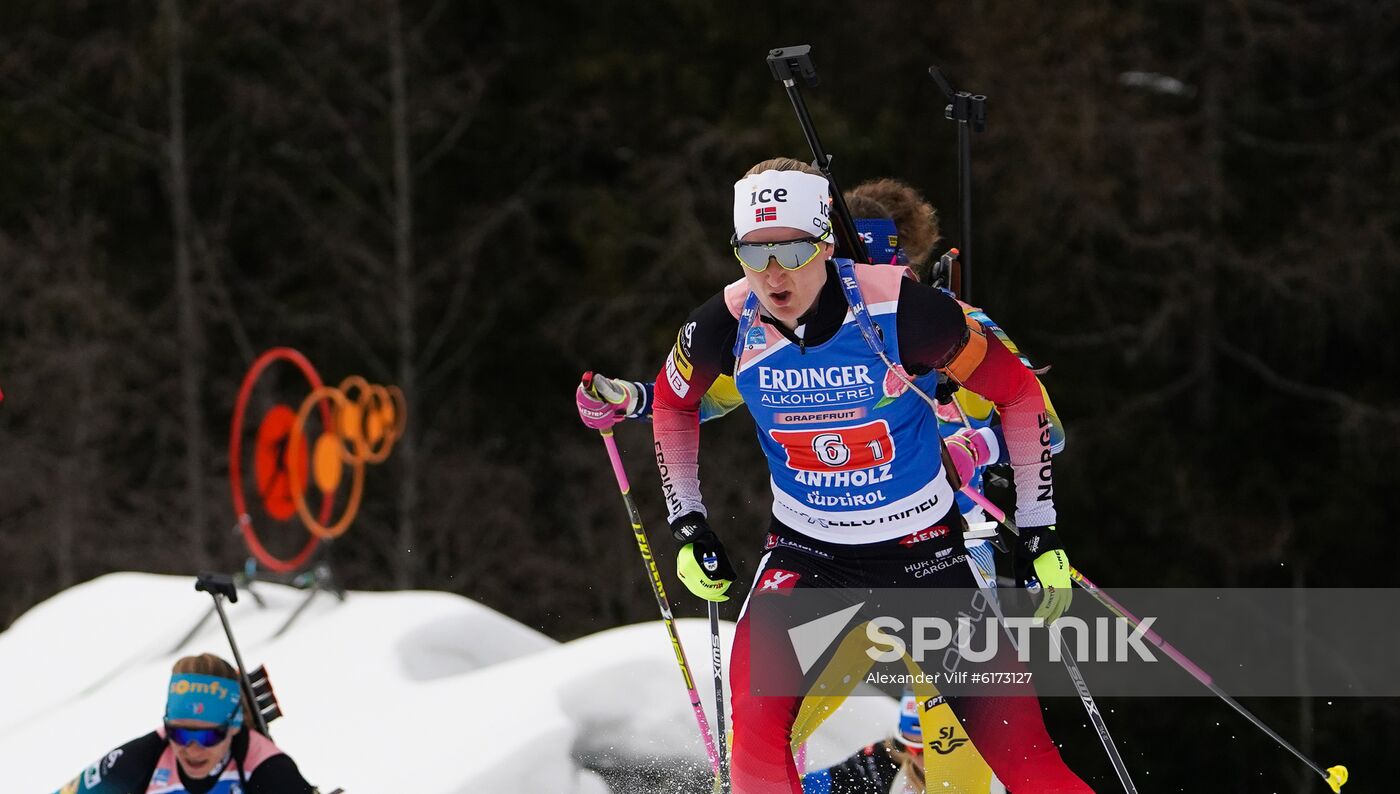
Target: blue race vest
x=853, y=454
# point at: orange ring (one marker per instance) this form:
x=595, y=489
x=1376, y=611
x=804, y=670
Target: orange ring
x=375, y=399
x=400, y=411
x=357, y=434
x=357, y=464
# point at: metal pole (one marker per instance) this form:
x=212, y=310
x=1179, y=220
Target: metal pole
x=242, y=669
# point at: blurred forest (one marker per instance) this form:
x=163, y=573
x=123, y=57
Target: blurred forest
x=1187, y=208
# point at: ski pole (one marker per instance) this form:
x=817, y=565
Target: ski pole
x=219, y=586
x=785, y=63
x=717, y=667
x=1095, y=717
x=1334, y=776
x=1080, y=686
x=654, y=576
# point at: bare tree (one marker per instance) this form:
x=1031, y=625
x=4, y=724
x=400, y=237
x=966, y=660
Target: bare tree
x=189, y=325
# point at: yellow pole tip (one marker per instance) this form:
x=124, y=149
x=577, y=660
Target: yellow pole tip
x=1336, y=776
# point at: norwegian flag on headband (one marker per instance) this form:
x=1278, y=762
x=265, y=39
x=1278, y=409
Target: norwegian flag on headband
x=765, y=214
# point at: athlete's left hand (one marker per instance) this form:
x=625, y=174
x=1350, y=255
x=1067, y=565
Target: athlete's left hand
x=701, y=565
x=968, y=449
x=1041, y=557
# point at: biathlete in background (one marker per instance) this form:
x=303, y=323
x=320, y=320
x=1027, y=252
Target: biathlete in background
x=205, y=745
x=894, y=765
x=804, y=372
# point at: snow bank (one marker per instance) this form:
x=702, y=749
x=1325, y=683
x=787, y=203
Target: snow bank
x=405, y=691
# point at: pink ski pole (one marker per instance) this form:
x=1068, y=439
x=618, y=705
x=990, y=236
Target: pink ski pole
x=654, y=575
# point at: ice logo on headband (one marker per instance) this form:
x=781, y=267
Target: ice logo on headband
x=793, y=199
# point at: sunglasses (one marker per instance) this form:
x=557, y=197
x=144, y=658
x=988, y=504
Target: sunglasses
x=204, y=737
x=791, y=254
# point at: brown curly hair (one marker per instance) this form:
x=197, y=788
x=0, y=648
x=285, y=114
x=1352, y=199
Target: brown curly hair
x=914, y=218
x=865, y=207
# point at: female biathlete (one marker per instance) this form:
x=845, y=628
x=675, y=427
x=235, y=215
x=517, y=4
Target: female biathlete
x=805, y=372
x=205, y=745
x=898, y=227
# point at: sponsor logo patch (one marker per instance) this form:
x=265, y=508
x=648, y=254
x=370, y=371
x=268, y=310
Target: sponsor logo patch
x=685, y=338
x=924, y=534
x=813, y=417
x=756, y=339
x=683, y=364
x=679, y=383
x=947, y=741
x=778, y=579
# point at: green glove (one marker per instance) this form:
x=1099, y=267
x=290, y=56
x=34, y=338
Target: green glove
x=701, y=564
x=1041, y=557
x=1052, y=569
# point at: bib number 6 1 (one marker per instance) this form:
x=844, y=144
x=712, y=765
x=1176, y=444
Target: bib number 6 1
x=837, y=449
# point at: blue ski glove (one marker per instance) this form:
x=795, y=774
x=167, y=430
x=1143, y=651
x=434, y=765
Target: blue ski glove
x=701, y=565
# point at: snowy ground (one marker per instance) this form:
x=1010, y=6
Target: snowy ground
x=409, y=691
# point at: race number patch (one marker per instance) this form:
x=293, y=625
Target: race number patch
x=837, y=449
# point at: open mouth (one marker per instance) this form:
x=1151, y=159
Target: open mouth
x=780, y=298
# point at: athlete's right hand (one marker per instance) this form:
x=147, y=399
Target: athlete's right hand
x=701, y=564
x=603, y=402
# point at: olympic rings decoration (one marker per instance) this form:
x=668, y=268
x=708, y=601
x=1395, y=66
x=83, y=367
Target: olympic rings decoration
x=359, y=424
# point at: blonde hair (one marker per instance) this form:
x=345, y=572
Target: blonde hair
x=209, y=664
x=914, y=218
x=913, y=773
x=783, y=164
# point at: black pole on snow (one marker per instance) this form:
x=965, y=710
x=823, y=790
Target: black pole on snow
x=220, y=586
x=969, y=111
x=787, y=64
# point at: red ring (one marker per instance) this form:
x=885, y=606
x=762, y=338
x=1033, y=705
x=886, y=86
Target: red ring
x=235, y=466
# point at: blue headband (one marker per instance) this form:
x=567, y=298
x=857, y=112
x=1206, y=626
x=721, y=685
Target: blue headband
x=206, y=698
x=881, y=240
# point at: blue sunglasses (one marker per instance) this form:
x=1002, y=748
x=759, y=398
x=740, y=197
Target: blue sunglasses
x=204, y=737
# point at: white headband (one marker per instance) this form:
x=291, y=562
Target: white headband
x=782, y=199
